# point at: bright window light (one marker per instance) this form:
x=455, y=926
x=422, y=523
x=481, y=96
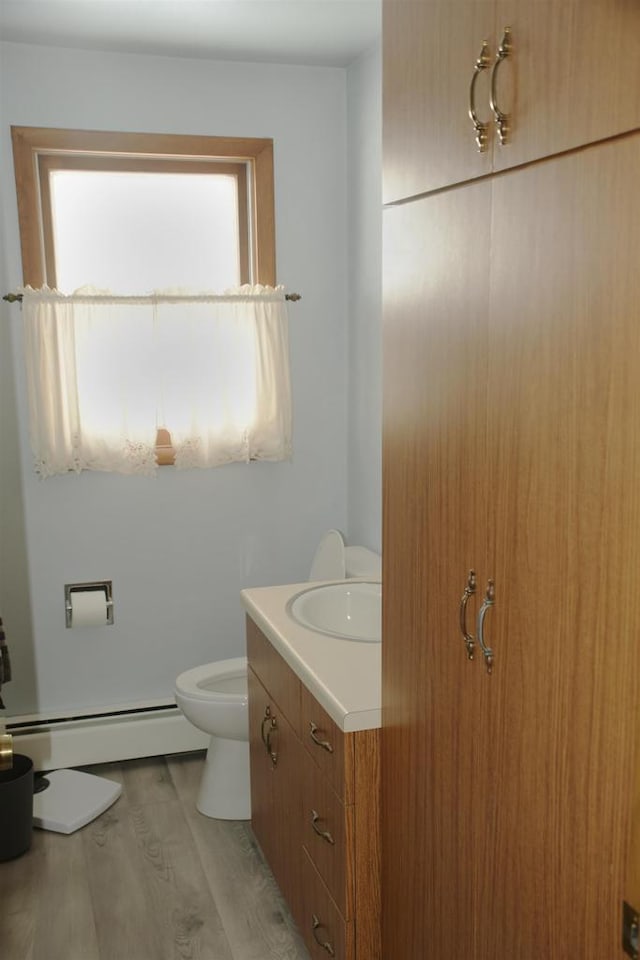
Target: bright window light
x=134, y=232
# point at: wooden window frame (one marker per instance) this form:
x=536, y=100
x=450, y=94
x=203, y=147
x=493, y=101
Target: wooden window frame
x=39, y=150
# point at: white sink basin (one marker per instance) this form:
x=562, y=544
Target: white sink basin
x=349, y=610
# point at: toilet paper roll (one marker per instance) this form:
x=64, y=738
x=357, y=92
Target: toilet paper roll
x=88, y=608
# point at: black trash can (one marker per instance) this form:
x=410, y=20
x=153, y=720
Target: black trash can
x=16, y=808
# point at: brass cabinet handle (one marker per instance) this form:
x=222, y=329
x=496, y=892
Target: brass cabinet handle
x=272, y=729
x=481, y=128
x=320, y=743
x=267, y=716
x=321, y=833
x=502, y=119
x=469, y=591
x=321, y=943
x=489, y=600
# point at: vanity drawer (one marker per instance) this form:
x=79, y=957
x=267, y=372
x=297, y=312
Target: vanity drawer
x=328, y=837
x=331, y=749
x=323, y=928
x=274, y=673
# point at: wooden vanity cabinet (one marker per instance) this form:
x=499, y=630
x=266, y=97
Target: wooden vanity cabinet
x=315, y=808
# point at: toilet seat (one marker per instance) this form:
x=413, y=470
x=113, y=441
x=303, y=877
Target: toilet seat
x=208, y=681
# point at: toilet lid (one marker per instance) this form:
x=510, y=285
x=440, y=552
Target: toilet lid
x=328, y=563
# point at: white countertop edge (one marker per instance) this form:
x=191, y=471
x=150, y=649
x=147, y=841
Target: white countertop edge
x=319, y=661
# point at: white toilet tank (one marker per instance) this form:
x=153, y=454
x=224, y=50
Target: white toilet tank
x=335, y=561
x=362, y=562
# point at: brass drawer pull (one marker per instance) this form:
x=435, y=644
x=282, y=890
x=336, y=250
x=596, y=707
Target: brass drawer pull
x=502, y=119
x=321, y=833
x=481, y=128
x=272, y=729
x=267, y=716
x=469, y=591
x=488, y=602
x=320, y=743
x=321, y=943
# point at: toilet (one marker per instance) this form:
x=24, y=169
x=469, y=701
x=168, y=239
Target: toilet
x=214, y=697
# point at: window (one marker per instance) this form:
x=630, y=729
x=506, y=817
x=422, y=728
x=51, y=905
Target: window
x=45, y=158
x=129, y=229
x=135, y=213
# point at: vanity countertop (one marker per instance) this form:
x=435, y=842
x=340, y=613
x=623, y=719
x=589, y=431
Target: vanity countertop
x=343, y=675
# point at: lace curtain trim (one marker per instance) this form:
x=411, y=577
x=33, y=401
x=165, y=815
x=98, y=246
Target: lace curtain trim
x=249, y=354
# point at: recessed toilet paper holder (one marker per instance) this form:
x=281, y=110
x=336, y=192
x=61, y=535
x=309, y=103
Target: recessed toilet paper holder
x=71, y=588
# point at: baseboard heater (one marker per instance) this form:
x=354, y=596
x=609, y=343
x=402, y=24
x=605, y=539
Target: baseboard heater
x=101, y=735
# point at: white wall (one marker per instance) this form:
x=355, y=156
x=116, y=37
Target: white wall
x=180, y=547
x=364, y=112
x=14, y=598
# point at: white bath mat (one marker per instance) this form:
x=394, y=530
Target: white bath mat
x=72, y=800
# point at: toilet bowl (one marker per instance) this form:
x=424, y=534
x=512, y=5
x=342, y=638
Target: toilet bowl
x=214, y=697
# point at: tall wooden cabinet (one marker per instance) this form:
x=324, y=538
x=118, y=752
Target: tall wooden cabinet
x=510, y=799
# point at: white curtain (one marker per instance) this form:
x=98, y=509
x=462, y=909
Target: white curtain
x=105, y=372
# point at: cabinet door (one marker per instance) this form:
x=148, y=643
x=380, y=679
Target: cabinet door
x=276, y=791
x=262, y=780
x=507, y=798
x=429, y=51
x=573, y=76
x=436, y=292
x=561, y=707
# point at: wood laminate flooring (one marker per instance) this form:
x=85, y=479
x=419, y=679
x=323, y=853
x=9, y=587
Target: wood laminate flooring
x=151, y=879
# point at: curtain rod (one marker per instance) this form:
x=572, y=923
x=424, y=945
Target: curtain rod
x=17, y=297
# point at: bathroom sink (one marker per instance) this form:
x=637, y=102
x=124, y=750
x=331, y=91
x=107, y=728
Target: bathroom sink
x=348, y=610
